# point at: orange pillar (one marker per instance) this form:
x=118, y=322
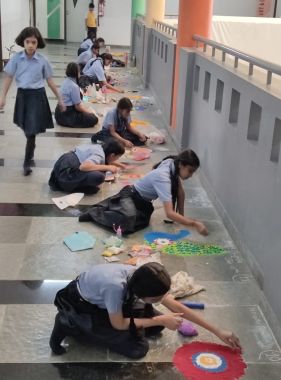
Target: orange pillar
x=195, y=17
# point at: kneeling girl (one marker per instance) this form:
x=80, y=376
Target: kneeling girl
x=83, y=170
x=163, y=182
x=110, y=305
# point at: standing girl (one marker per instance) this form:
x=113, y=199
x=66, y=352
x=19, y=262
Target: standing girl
x=32, y=111
x=132, y=207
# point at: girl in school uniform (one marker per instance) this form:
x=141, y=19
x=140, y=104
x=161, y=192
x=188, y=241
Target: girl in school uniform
x=76, y=114
x=86, y=44
x=117, y=125
x=111, y=305
x=91, y=53
x=32, y=111
x=94, y=69
x=83, y=170
x=131, y=208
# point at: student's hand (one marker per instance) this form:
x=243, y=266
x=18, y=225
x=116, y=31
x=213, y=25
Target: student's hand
x=170, y=321
x=230, y=339
x=128, y=144
x=62, y=106
x=121, y=91
x=201, y=228
x=113, y=169
x=142, y=137
x=2, y=102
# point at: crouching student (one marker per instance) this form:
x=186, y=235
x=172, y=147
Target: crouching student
x=111, y=305
x=76, y=114
x=87, y=43
x=84, y=57
x=117, y=125
x=94, y=69
x=131, y=208
x=83, y=170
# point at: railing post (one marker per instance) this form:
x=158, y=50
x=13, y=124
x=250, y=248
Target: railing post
x=251, y=69
x=223, y=56
x=213, y=51
x=269, y=77
x=236, y=62
x=204, y=48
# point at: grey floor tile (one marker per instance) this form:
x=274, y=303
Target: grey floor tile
x=25, y=334
x=263, y=371
x=57, y=262
x=14, y=229
x=11, y=259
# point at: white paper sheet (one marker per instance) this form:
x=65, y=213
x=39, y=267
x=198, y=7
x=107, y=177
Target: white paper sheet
x=70, y=200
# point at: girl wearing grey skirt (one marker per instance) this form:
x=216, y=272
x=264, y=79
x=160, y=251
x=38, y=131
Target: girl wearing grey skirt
x=32, y=111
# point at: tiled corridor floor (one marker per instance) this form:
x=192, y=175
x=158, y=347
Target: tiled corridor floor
x=34, y=262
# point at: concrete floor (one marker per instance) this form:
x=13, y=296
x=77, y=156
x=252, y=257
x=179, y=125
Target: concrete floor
x=34, y=262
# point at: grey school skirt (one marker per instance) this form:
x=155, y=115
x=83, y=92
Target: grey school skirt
x=32, y=111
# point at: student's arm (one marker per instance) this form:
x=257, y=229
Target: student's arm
x=134, y=131
x=54, y=89
x=89, y=166
x=170, y=321
x=108, y=85
x=81, y=108
x=6, y=86
x=181, y=199
x=120, y=165
x=116, y=135
x=176, y=217
x=227, y=337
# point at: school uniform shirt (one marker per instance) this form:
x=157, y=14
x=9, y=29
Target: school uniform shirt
x=87, y=44
x=85, y=57
x=94, y=69
x=70, y=92
x=29, y=72
x=157, y=183
x=105, y=286
x=113, y=118
x=90, y=152
x=91, y=19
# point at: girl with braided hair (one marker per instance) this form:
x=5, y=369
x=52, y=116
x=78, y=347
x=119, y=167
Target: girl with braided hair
x=111, y=305
x=132, y=208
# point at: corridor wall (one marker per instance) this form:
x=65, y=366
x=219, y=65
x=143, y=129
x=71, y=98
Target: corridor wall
x=155, y=59
x=13, y=20
x=235, y=127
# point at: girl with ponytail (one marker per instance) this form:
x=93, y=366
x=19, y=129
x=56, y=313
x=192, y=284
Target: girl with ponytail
x=163, y=182
x=112, y=305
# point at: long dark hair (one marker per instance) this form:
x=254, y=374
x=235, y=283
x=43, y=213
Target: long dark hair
x=185, y=158
x=150, y=280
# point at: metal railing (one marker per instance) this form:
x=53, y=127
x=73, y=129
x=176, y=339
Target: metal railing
x=140, y=17
x=271, y=68
x=165, y=28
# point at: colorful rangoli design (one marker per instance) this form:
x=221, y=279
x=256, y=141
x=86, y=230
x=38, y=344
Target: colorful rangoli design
x=203, y=361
